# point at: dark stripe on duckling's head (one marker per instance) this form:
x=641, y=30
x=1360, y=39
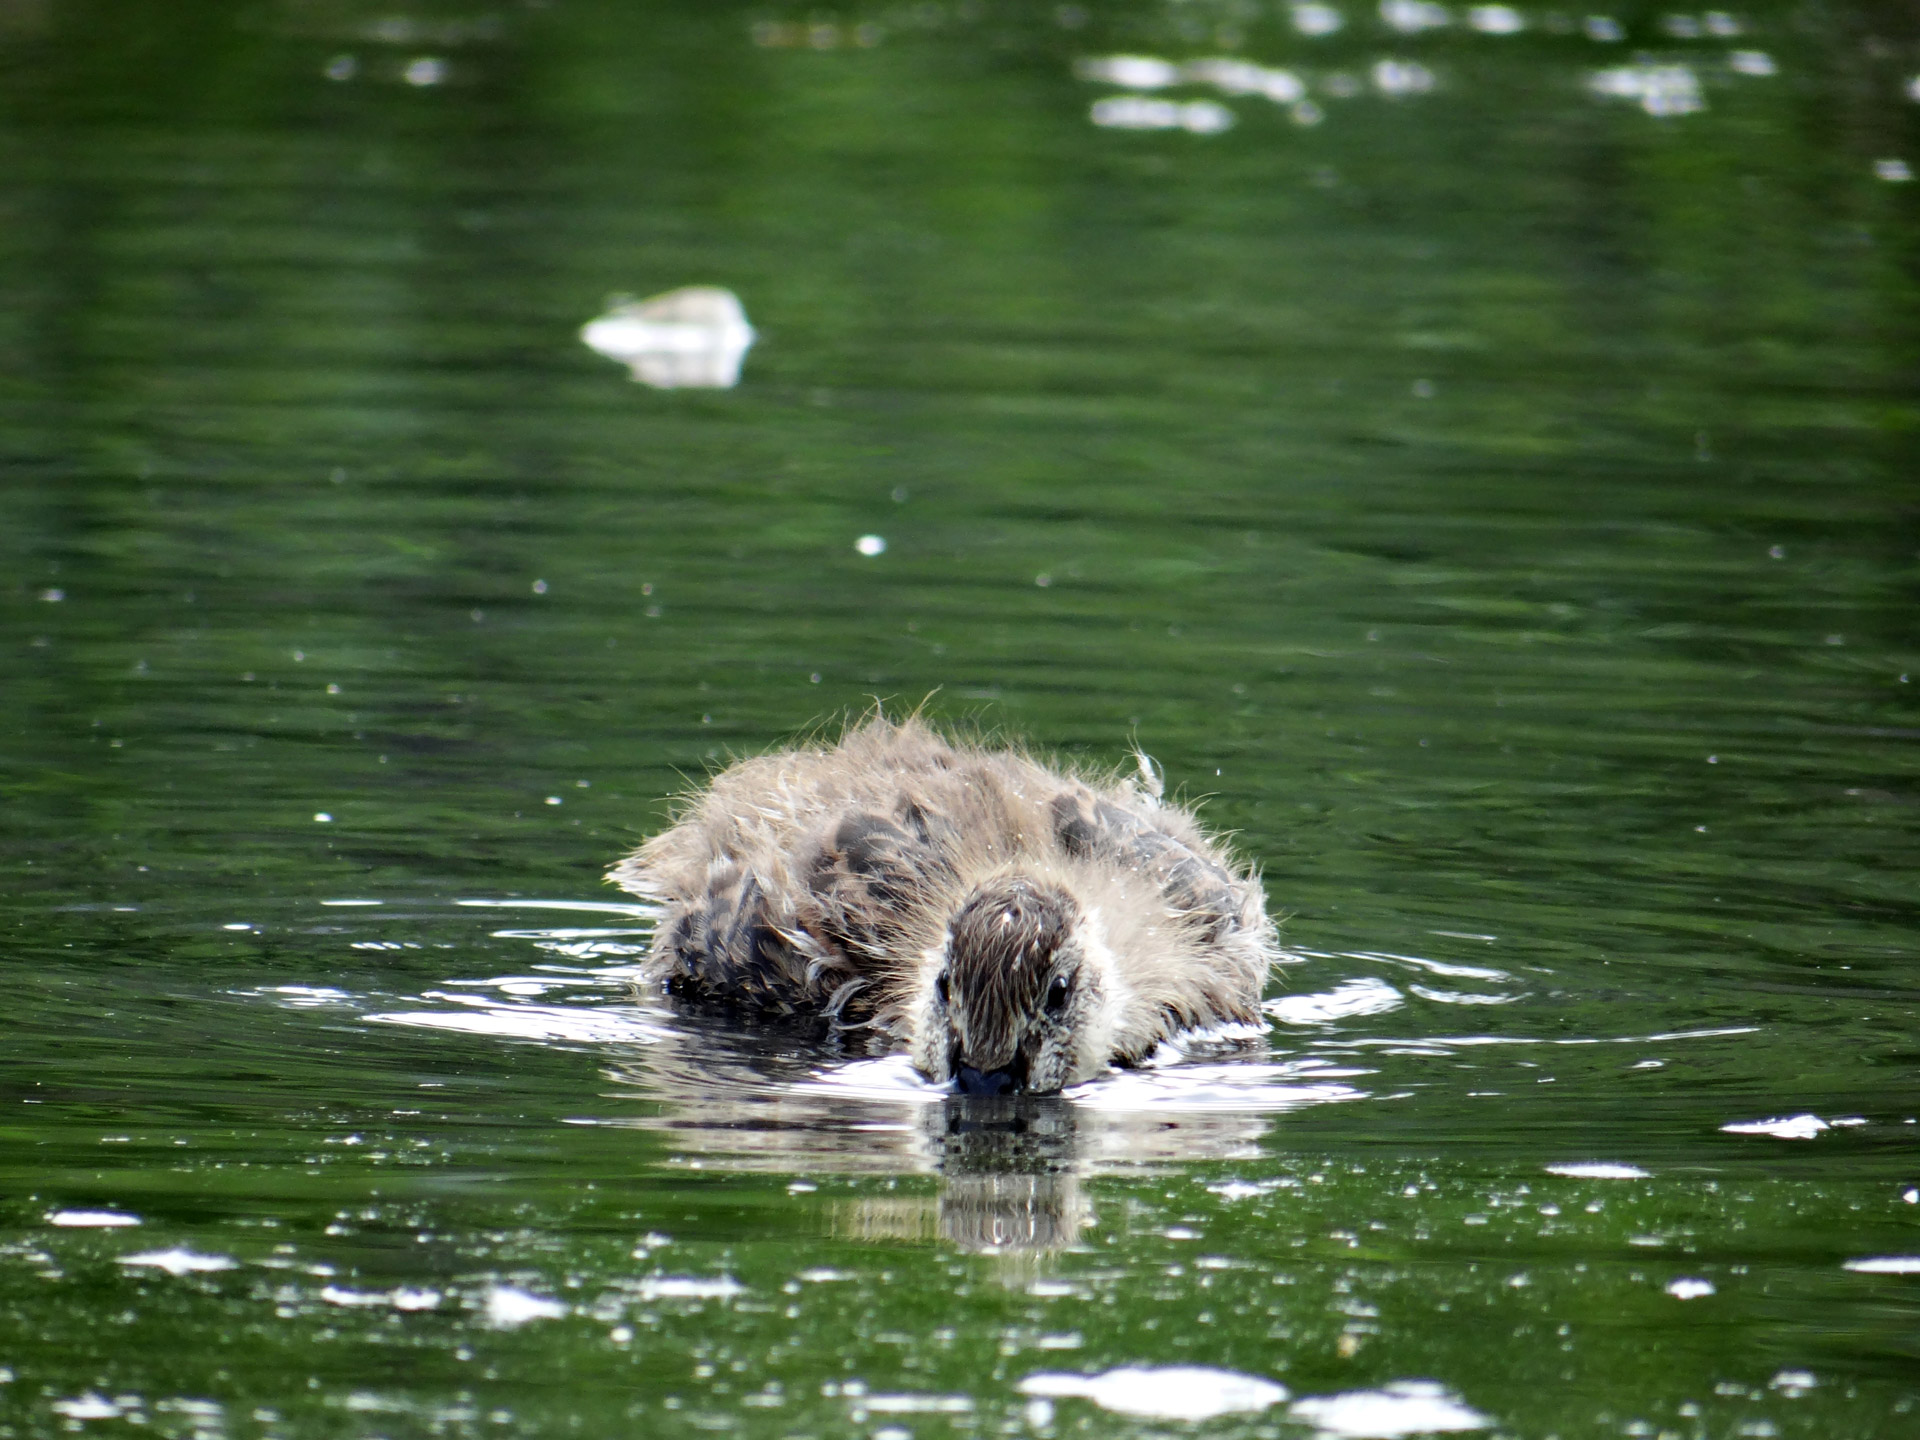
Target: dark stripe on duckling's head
x=1001, y=960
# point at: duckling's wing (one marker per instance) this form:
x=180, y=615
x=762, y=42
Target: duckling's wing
x=827, y=947
x=870, y=879
x=1091, y=827
x=724, y=944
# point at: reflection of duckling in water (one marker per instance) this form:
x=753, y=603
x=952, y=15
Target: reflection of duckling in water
x=1013, y=927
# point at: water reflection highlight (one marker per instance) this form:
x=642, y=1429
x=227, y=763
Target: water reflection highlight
x=1171, y=1392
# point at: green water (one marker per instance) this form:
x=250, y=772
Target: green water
x=1498, y=501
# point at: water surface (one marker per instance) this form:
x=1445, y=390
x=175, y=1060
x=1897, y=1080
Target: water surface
x=1470, y=447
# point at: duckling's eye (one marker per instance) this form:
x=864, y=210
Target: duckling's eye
x=1057, y=993
x=940, y=987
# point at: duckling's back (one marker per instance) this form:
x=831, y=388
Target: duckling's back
x=812, y=883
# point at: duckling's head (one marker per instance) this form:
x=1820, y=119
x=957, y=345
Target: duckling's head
x=1016, y=997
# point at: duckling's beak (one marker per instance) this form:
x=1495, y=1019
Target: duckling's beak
x=991, y=1082
x=1011, y=1078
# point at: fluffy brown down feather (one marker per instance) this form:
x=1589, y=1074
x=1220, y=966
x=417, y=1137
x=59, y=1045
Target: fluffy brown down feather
x=821, y=883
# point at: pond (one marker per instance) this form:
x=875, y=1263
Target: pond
x=1472, y=448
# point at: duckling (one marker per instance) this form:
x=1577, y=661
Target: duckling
x=1013, y=926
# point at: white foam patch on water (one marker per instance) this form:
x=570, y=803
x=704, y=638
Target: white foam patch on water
x=1786, y=1127
x=91, y=1219
x=1350, y=998
x=1459, y=997
x=570, y=933
x=302, y=996
x=1243, y=1189
x=1134, y=72
x=1148, y=112
x=520, y=986
x=915, y=1404
x=399, y=1299
x=87, y=1407
x=1244, y=1087
x=203, y=1415
x=1171, y=1392
x=1688, y=1287
x=635, y=909
x=689, y=1287
x=1241, y=77
x=531, y=1022
x=1312, y=18
x=1886, y=1265
x=339, y=1295
x=180, y=1261
x=507, y=1307
x=1406, y=1407
x=1496, y=20
x=1432, y=967
x=1599, y=1170
x=1464, y=1041
x=887, y=1078
x=1719, y=1034
x=1661, y=90
x=595, y=949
